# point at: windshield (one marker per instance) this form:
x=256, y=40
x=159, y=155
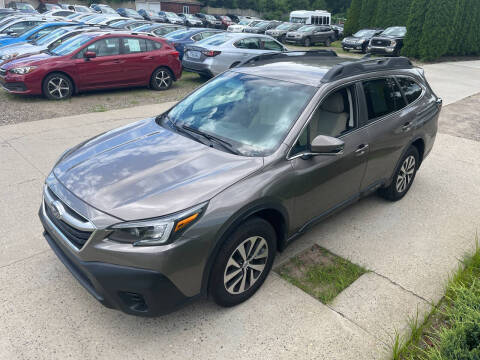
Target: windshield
x=44, y=40
x=306, y=28
x=73, y=44
x=164, y=30
x=145, y=27
x=364, y=33
x=107, y=10
x=244, y=22
x=252, y=113
x=298, y=20
x=210, y=17
x=284, y=26
x=395, y=31
x=178, y=34
x=172, y=15
x=80, y=8
x=131, y=12
x=190, y=16
x=215, y=40
x=262, y=24
x=23, y=6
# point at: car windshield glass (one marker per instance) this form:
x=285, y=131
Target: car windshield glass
x=51, y=36
x=172, y=15
x=244, y=22
x=131, y=12
x=210, y=17
x=262, y=24
x=306, y=28
x=145, y=27
x=284, y=26
x=252, y=113
x=107, y=10
x=364, y=33
x=226, y=18
x=73, y=44
x=395, y=31
x=215, y=39
x=190, y=16
x=23, y=6
x=178, y=34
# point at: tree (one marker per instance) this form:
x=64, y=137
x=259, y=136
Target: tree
x=437, y=29
x=368, y=13
x=416, y=18
x=353, y=17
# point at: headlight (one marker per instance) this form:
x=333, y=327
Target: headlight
x=7, y=56
x=159, y=231
x=23, y=70
x=393, y=43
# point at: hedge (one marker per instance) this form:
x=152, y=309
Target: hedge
x=435, y=28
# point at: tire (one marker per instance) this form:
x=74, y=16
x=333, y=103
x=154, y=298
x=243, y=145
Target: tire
x=57, y=86
x=364, y=49
x=328, y=42
x=307, y=42
x=403, y=177
x=230, y=271
x=282, y=39
x=347, y=50
x=161, y=79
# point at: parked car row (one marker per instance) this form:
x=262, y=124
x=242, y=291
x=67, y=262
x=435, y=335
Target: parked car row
x=377, y=41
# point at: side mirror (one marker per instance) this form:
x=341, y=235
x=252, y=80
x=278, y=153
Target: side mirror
x=327, y=145
x=90, y=55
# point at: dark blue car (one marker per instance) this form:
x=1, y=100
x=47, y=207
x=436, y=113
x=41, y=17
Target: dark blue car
x=34, y=33
x=180, y=38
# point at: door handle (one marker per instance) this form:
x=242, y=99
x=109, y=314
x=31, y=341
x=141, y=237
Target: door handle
x=407, y=127
x=361, y=150
x=117, y=61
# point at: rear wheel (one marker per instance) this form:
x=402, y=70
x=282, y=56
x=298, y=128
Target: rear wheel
x=162, y=79
x=328, y=42
x=243, y=262
x=57, y=87
x=404, y=176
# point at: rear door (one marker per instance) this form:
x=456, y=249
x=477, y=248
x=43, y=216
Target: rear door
x=389, y=121
x=140, y=57
x=105, y=70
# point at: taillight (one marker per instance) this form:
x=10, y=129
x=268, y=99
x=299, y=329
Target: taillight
x=211, y=53
x=175, y=53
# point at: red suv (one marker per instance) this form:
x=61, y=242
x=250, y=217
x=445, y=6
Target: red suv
x=95, y=60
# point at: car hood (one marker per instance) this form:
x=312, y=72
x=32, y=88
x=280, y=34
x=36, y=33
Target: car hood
x=36, y=59
x=385, y=37
x=20, y=49
x=143, y=171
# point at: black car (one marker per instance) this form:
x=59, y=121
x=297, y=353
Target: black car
x=389, y=42
x=262, y=27
x=43, y=7
x=280, y=32
x=360, y=40
x=191, y=20
x=309, y=35
x=150, y=15
x=209, y=21
x=235, y=18
x=130, y=13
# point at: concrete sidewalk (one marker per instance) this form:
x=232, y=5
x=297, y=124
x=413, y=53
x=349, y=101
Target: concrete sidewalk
x=410, y=247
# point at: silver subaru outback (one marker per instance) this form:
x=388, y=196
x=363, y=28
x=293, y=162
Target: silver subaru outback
x=198, y=201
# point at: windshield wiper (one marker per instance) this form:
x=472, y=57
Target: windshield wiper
x=225, y=144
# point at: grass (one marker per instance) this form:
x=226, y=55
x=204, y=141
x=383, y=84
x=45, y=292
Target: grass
x=320, y=273
x=452, y=329
x=99, y=108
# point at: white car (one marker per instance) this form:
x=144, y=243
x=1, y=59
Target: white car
x=240, y=27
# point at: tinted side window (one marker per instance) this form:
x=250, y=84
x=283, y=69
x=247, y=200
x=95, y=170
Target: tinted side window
x=383, y=97
x=105, y=47
x=153, y=45
x=410, y=88
x=335, y=117
x=251, y=43
x=197, y=37
x=134, y=45
x=271, y=45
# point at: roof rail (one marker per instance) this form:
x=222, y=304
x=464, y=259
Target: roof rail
x=289, y=54
x=351, y=68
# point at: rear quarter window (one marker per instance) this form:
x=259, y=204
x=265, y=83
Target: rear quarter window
x=410, y=88
x=383, y=96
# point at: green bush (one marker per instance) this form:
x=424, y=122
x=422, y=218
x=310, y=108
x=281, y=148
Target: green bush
x=368, y=13
x=353, y=17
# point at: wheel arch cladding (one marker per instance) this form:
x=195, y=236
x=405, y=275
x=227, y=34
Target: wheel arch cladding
x=274, y=214
x=420, y=145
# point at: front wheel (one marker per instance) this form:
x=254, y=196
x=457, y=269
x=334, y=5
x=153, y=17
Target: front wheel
x=162, y=79
x=307, y=42
x=403, y=177
x=328, y=42
x=57, y=87
x=243, y=262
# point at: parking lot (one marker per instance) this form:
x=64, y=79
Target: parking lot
x=410, y=247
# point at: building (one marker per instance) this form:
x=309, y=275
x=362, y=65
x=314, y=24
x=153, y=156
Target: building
x=176, y=6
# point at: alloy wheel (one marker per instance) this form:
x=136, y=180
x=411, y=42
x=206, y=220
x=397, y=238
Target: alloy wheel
x=405, y=175
x=245, y=265
x=58, y=87
x=163, y=79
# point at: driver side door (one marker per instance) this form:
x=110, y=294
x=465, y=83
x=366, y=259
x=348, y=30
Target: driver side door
x=324, y=183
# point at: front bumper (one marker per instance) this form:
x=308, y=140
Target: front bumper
x=352, y=46
x=381, y=50
x=132, y=290
x=21, y=84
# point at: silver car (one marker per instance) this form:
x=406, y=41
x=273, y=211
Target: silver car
x=212, y=56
